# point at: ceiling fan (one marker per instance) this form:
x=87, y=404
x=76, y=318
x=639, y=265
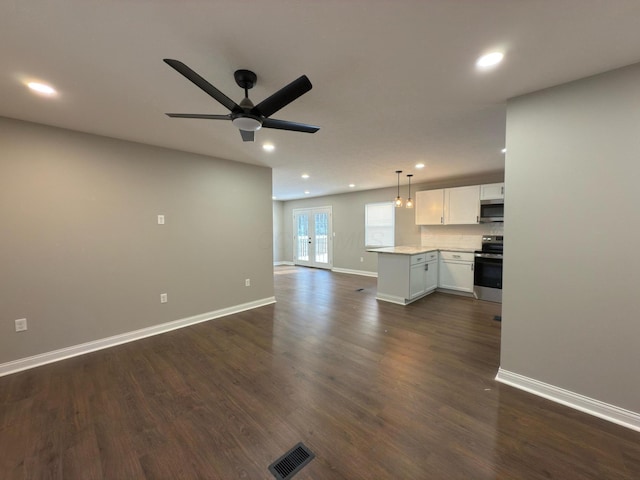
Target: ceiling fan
x=245, y=116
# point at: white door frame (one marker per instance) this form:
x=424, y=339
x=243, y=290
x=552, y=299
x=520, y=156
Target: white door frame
x=319, y=246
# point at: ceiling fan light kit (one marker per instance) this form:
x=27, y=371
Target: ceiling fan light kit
x=245, y=116
x=247, y=123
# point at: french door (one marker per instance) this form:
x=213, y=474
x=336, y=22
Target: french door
x=312, y=237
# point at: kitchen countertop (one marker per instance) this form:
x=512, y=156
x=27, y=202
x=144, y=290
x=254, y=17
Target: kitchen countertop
x=416, y=250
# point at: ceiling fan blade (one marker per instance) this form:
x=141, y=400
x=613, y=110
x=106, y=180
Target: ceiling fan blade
x=198, y=115
x=285, y=125
x=247, y=136
x=203, y=84
x=283, y=97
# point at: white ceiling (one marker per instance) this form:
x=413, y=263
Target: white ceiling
x=394, y=82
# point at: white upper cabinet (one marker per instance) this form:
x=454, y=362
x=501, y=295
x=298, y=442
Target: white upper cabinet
x=492, y=191
x=448, y=206
x=462, y=205
x=430, y=207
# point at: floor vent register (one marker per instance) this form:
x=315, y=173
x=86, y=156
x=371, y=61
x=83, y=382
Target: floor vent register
x=291, y=462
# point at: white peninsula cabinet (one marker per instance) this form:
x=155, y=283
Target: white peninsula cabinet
x=448, y=206
x=423, y=277
x=456, y=271
x=406, y=274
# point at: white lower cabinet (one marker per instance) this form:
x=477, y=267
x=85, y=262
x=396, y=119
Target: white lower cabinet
x=432, y=274
x=417, y=281
x=405, y=278
x=423, y=276
x=456, y=271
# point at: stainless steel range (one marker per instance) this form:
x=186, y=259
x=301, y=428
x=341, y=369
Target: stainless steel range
x=487, y=276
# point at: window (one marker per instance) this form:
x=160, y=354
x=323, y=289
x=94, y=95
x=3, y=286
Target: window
x=379, y=224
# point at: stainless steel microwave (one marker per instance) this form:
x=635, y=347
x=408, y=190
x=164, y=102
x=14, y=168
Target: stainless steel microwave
x=492, y=211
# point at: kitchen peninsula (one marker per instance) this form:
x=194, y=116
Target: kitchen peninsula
x=407, y=273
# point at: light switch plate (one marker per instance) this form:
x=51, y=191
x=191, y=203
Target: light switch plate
x=21, y=325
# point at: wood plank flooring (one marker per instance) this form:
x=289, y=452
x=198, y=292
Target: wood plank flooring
x=375, y=390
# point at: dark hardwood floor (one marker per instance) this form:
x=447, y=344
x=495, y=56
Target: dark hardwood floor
x=375, y=390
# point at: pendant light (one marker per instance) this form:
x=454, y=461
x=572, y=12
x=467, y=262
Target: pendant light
x=398, y=198
x=409, y=203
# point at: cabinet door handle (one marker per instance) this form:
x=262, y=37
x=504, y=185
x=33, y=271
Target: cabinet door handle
x=502, y=190
x=477, y=219
x=455, y=256
x=472, y=267
x=426, y=267
x=441, y=219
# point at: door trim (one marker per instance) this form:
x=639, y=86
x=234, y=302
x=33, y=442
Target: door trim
x=311, y=211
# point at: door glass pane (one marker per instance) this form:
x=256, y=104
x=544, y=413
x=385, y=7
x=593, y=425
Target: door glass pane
x=302, y=237
x=321, y=237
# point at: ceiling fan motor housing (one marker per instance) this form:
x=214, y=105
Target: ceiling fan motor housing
x=245, y=78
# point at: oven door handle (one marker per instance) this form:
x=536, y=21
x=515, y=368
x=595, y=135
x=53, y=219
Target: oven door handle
x=488, y=255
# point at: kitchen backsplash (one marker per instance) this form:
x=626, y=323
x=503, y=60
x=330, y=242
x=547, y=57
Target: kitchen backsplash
x=458, y=236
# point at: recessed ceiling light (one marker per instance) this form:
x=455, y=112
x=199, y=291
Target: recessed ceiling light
x=42, y=89
x=307, y=192
x=305, y=175
x=490, y=59
x=504, y=150
x=419, y=165
x=274, y=197
x=351, y=185
x=269, y=147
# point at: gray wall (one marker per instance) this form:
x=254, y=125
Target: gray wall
x=82, y=256
x=348, y=220
x=571, y=314
x=278, y=228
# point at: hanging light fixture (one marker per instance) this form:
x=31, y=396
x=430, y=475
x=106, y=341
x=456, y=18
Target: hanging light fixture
x=398, y=198
x=409, y=203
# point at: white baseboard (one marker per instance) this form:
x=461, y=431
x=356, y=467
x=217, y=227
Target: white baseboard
x=454, y=292
x=75, y=350
x=391, y=299
x=364, y=273
x=614, y=414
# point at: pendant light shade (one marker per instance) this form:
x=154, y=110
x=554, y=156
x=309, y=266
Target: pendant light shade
x=398, y=201
x=409, y=203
